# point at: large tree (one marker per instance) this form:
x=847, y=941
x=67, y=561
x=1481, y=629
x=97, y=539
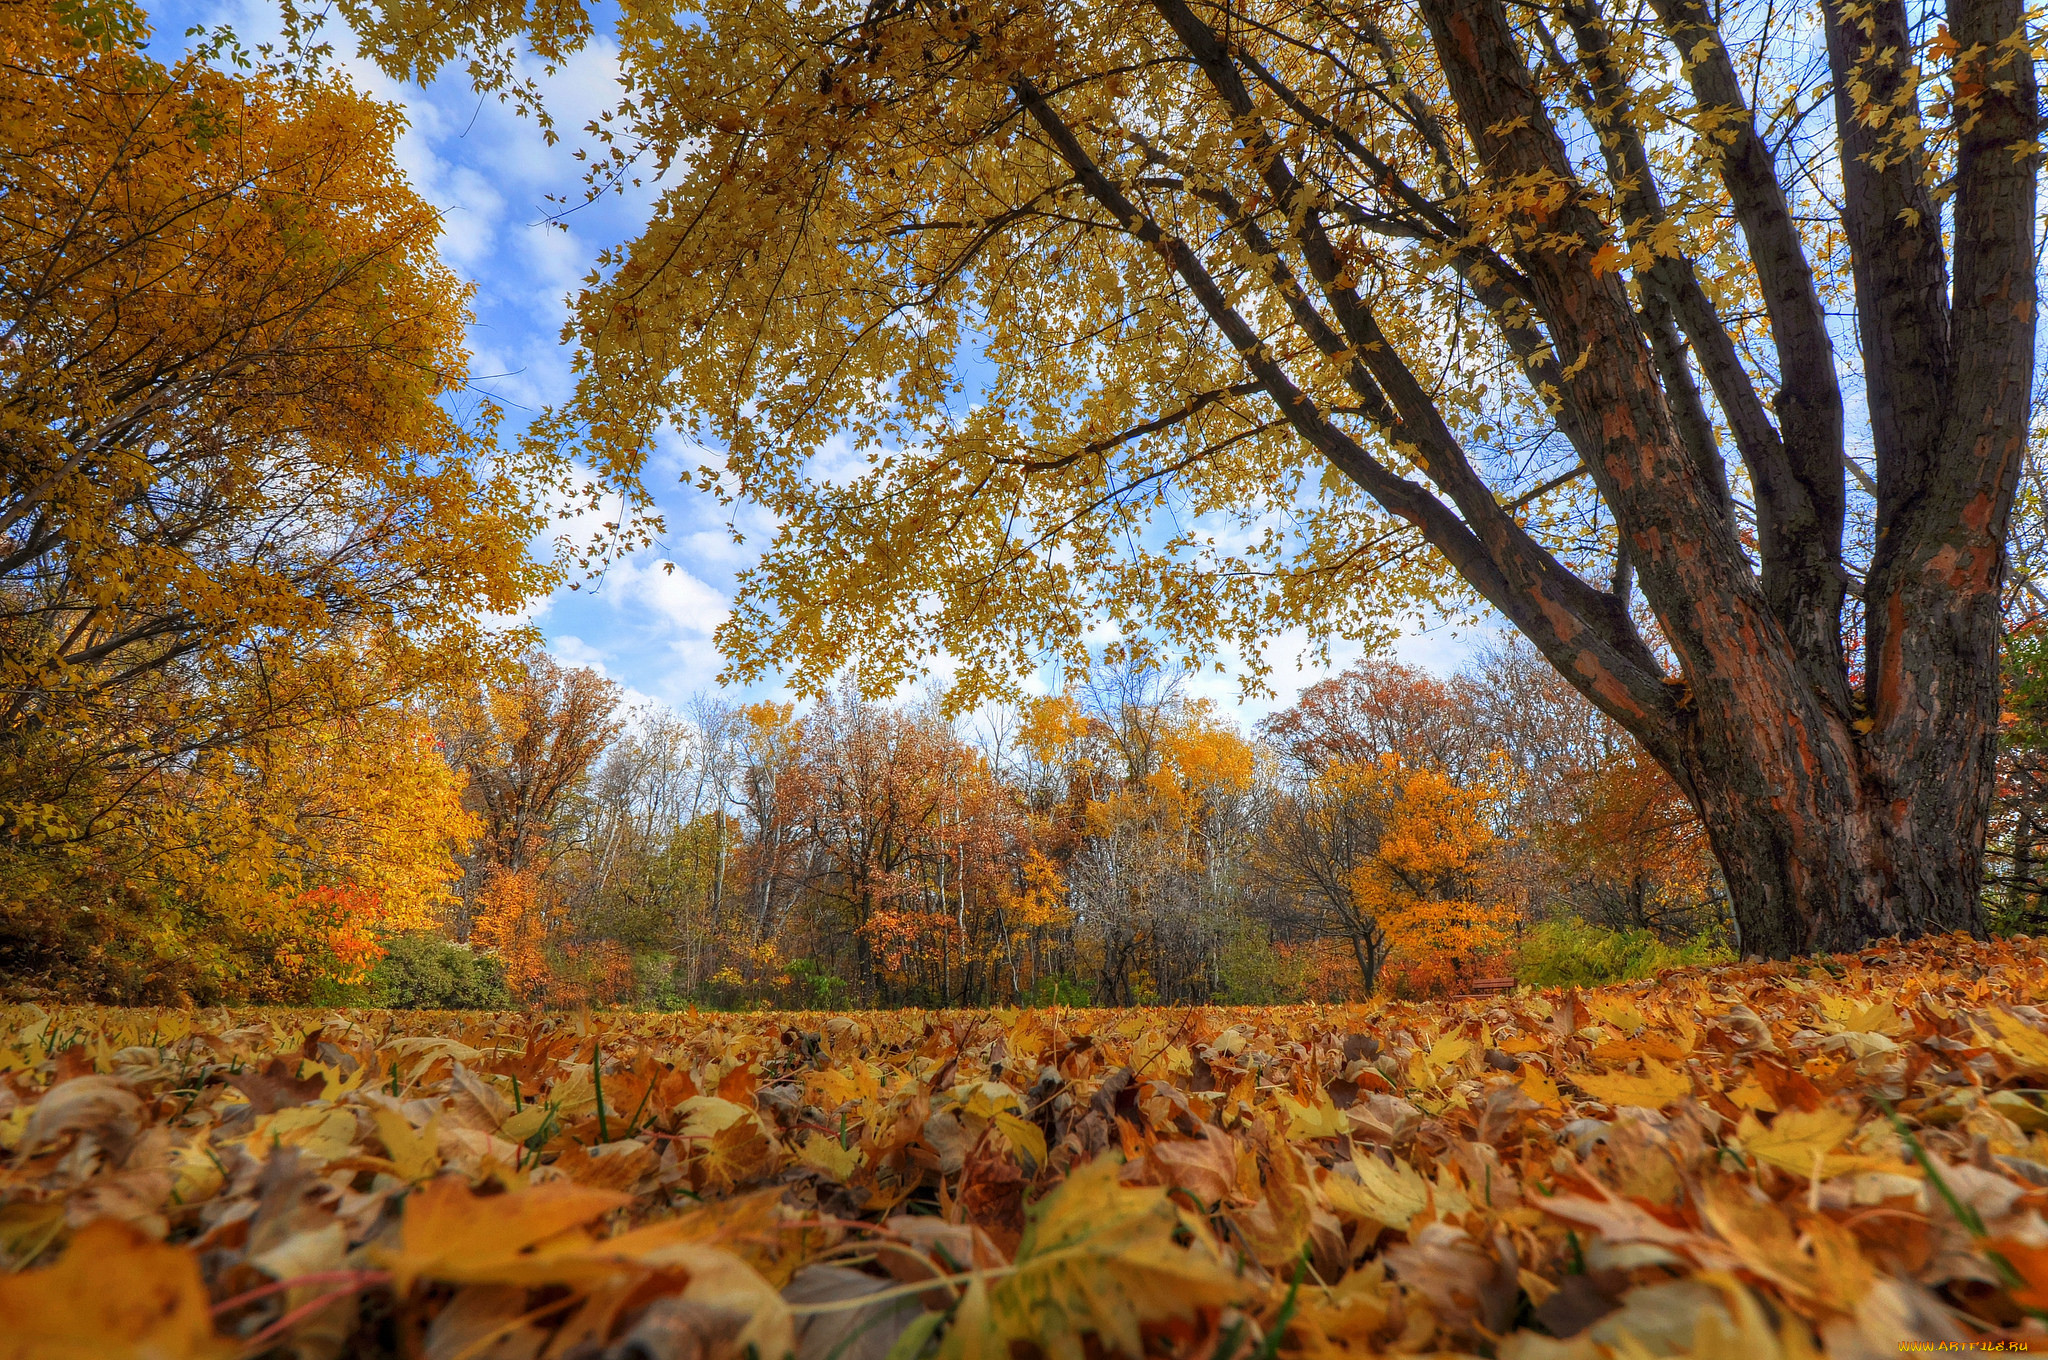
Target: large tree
x=1204, y=316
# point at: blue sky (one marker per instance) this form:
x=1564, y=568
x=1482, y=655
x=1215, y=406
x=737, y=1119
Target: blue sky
x=491, y=174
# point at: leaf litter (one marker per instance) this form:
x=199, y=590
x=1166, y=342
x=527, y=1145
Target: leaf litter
x=1770, y=1161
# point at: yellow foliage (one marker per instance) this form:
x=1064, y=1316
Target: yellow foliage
x=244, y=530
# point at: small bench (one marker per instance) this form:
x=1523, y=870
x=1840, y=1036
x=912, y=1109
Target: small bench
x=1489, y=986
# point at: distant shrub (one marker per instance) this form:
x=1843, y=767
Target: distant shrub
x=815, y=986
x=1062, y=991
x=1434, y=976
x=1575, y=953
x=423, y=971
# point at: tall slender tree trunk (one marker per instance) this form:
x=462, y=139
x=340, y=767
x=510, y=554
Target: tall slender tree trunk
x=1367, y=974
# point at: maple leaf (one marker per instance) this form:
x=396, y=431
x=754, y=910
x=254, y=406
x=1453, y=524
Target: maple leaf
x=1654, y=1088
x=1099, y=1258
x=1277, y=1227
x=1024, y=1135
x=413, y=1152
x=1797, y=1141
x=450, y=1234
x=1320, y=1118
x=1205, y=1166
x=1392, y=1195
x=115, y=1294
x=1822, y=1263
x=824, y=1151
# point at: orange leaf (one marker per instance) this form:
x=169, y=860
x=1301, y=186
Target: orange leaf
x=114, y=1293
x=452, y=1235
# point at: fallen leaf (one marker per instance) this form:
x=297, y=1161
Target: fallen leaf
x=115, y=1294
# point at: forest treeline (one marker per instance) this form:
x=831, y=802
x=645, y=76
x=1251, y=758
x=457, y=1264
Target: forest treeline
x=1119, y=843
x=527, y=837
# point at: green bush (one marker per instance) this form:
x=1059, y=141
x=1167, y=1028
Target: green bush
x=816, y=987
x=1575, y=953
x=1062, y=991
x=426, y=972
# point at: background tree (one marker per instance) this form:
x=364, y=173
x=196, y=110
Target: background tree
x=526, y=739
x=243, y=534
x=1546, y=289
x=1425, y=882
x=1320, y=835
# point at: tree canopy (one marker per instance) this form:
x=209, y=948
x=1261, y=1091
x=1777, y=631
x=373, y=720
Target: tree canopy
x=247, y=518
x=1205, y=318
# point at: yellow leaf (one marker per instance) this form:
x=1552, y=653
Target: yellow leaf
x=452, y=1235
x=1751, y=1095
x=1656, y=1087
x=1617, y=1013
x=1392, y=1195
x=703, y=1116
x=830, y=1088
x=525, y=1123
x=1797, y=1140
x=2020, y=1041
x=1448, y=1050
x=1024, y=1136
x=1830, y=1269
x=1537, y=1085
x=717, y=1278
x=823, y=1151
x=320, y=1135
x=1276, y=1227
x=1097, y=1257
x=1321, y=1120
x=412, y=1151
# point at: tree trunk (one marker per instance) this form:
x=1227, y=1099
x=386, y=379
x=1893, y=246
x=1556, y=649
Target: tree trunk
x=1840, y=813
x=1366, y=972
x=2018, y=891
x=1845, y=847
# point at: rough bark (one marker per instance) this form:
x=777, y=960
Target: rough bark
x=1835, y=822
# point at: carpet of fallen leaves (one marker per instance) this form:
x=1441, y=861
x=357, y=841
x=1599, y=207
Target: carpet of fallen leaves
x=1846, y=1156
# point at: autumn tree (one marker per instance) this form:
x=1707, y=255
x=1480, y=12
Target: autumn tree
x=527, y=739
x=1378, y=708
x=1425, y=881
x=247, y=525
x=1320, y=833
x=1258, y=301
x=234, y=497
x=909, y=836
x=1590, y=825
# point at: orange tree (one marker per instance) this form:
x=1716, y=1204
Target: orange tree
x=1424, y=883
x=1284, y=314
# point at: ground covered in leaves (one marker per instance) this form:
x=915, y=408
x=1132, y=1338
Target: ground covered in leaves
x=1848, y=1156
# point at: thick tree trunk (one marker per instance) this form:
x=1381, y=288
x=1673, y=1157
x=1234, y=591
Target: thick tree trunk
x=1828, y=843
x=1845, y=803
x=1839, y=815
